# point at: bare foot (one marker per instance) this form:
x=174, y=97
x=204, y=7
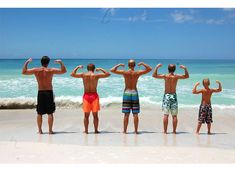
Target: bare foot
x=164, y=132
x=197, y=133
x=124, y=132
x=97, y=132
x=40, y=132
x=174, y=132
x=136, y=132
x=85, y=132
x=209, y=133
x=51, y=132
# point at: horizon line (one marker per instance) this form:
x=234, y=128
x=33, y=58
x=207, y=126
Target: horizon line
x=125, y=58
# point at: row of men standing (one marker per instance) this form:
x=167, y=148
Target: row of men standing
x=46, y=104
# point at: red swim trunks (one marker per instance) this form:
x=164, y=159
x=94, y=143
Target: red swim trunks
x=91, y=102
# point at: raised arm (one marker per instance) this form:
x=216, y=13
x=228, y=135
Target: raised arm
x=155, y=74
x=74, y=74
x=186, y=75
x=195, y=91
x=104, y=74
x=219, y=89
x=115, y=71
x=62, y=69
x=25, y=69
x=146, y=70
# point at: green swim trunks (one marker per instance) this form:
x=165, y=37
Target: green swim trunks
x=170, y=104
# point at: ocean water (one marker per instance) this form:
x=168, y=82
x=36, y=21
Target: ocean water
x=20, y=91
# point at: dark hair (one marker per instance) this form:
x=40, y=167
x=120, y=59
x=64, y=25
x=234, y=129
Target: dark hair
x=91, y=67
x=171, y=68
x=45, y=61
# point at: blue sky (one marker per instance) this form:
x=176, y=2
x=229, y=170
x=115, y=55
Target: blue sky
x=117, y=33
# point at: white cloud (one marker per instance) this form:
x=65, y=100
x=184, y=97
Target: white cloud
x=181, y=17
x=191, y=16
x=215, y=21
x=142, y=17
x=109, y=11
x=228, y=9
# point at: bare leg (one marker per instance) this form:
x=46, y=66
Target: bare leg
x=198, y=127
x=125, y=122
x=86, y=122
x=50, y=123
x=165, y=123
x=209, y=128
x=96, y=121
x=175, y=121
x=136, y=122
x=39, y=123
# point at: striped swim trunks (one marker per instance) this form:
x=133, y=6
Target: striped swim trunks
x=130, y=102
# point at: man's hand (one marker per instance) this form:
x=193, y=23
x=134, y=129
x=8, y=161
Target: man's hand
x=29, y=60
x=197, y=83
x=58, y=61
x=123, y=65
x=159, y=65
x=98, y=69
x=218, y=82
x=141, y=63
x=182, y=66
x=80, y=66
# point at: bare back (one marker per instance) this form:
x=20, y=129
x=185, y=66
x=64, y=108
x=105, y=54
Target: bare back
x=90, y=82
x=44, y=78
x=206, y=96
x=170, y=83
x=131, y=78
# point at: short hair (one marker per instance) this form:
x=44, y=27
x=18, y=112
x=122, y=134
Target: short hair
x=171, y=68
x=206, y=80
x=91, y=67
x=45, y=60
x=131, y=62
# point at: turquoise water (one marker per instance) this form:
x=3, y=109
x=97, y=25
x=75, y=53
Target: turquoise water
x=19, y=89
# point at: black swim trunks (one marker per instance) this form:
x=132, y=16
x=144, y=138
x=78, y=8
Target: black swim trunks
x=45, y=102
x=205, y=114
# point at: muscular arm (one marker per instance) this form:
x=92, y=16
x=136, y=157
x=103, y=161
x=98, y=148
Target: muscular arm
x=219, y=89
x=155, y=74
x=25, y=69
x=77, y=75
x=62, y=69
x=195, y=91
x=147, y=68
x=186, y=74
x=104, y=74
x=115, y=71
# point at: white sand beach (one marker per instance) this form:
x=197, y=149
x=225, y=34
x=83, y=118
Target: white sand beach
x=19, y=142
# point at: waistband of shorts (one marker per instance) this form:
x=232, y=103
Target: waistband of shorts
x=90, y=93
x=170, y=94
x=208, y=104
x=130, y=91
x=45, y=91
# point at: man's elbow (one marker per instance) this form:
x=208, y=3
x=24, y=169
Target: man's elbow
x=64, y=70
x=23, y=72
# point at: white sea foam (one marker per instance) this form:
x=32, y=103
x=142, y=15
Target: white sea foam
x=76, y=102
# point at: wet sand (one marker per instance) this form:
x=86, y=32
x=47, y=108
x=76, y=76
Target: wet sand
x=19, y=142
